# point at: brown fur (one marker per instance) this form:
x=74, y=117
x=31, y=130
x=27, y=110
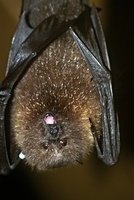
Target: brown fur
x=58, y=82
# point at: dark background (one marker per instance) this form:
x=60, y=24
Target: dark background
x=93, y=180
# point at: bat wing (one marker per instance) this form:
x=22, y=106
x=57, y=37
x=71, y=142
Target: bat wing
x=8, y=160
x=23, y=51
x=88, y=34
x=22, y=32
x=93, y=47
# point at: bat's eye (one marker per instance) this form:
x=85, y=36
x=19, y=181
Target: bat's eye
x=63, y=143
x=45, y=146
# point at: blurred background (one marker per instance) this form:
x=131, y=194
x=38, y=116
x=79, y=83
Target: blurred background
x=93, y=180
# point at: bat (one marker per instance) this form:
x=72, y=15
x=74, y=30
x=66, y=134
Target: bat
x=56, y=101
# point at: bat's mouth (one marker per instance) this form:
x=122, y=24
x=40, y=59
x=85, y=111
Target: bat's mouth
x=52, y=144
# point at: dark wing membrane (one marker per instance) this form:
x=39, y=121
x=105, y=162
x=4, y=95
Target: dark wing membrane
x=95, y=53
x=22, y=32
x=5, y=165
x=100, y=37
x=5, y=89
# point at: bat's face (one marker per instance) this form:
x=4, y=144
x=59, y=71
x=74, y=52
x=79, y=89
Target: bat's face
x=53, y=140
x=58, y=137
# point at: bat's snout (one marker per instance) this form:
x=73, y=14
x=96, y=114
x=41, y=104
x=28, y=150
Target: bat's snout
x=50, y=121
x=53, y=130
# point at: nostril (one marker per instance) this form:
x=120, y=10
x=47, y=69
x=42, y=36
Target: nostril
x=53, y=130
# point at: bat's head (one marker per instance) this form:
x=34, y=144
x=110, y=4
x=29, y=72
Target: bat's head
x=59, y=137
x=49, y=140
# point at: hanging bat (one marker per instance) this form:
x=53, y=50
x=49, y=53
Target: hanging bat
x=56, y=101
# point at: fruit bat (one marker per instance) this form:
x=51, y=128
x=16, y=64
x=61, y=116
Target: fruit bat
x=56, y=101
